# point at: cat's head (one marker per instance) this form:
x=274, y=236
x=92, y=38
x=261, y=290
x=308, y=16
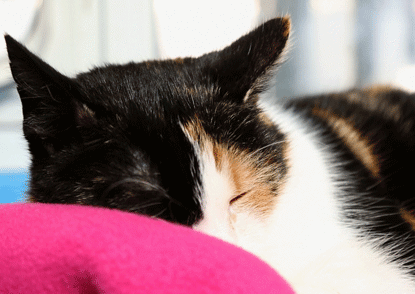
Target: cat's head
x=168, y=138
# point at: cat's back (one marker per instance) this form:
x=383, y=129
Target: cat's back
x=375, y=129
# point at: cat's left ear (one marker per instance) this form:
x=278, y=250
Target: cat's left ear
x=53, y=105
x=243, y=69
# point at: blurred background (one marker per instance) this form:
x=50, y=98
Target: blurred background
x=335, y=45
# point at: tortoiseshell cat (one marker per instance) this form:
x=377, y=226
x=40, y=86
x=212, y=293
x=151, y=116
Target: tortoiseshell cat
x=320, y=187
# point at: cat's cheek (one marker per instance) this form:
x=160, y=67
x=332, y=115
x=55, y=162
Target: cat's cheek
x=239, y=213
x=233, y=217
x=241, y=220
x=224, y=230
x=238, y=223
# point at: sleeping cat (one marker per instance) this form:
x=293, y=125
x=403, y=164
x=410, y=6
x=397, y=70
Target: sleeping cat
x=318, y=187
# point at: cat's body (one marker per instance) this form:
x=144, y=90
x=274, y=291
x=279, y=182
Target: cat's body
x=346, y=203
x=320, y=188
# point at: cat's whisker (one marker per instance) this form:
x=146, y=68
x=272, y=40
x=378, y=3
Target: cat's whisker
x=147, y=205
x=159, y=213
x=161, y=193
x=268, y=146
x=149, y=186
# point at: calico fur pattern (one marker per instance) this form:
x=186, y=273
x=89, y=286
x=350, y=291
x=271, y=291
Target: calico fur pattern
x=318, y=187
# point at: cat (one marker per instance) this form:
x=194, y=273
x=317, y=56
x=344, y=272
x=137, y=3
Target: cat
x=318, y=187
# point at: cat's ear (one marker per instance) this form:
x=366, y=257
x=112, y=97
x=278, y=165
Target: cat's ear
x=52, y=108
x=244, y=68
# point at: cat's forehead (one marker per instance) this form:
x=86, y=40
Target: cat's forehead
x=147, y=75
x=160, y=84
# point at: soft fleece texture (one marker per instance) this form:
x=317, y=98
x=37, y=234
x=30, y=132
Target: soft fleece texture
x=50, y=248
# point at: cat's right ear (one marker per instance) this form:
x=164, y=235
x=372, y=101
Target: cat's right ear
x=243, y=69
x=51, y=101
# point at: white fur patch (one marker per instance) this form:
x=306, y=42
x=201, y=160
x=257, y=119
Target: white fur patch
x=217, y=192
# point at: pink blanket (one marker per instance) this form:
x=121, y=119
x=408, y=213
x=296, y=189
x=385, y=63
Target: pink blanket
x=48, y=248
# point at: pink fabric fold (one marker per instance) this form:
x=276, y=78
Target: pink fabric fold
x=51, y=248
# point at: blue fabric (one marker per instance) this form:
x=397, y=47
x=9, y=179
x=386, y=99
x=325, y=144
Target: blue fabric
x=13, y=186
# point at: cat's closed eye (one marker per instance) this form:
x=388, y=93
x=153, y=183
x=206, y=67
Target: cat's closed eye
x=236, y=198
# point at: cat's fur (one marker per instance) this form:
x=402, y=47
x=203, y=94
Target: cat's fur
x=320, y=187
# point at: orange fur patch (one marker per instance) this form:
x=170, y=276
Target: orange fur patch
x=256, y=181
x=250, y=175
x=265, y=119
x=353, y=138
x=408, y=217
